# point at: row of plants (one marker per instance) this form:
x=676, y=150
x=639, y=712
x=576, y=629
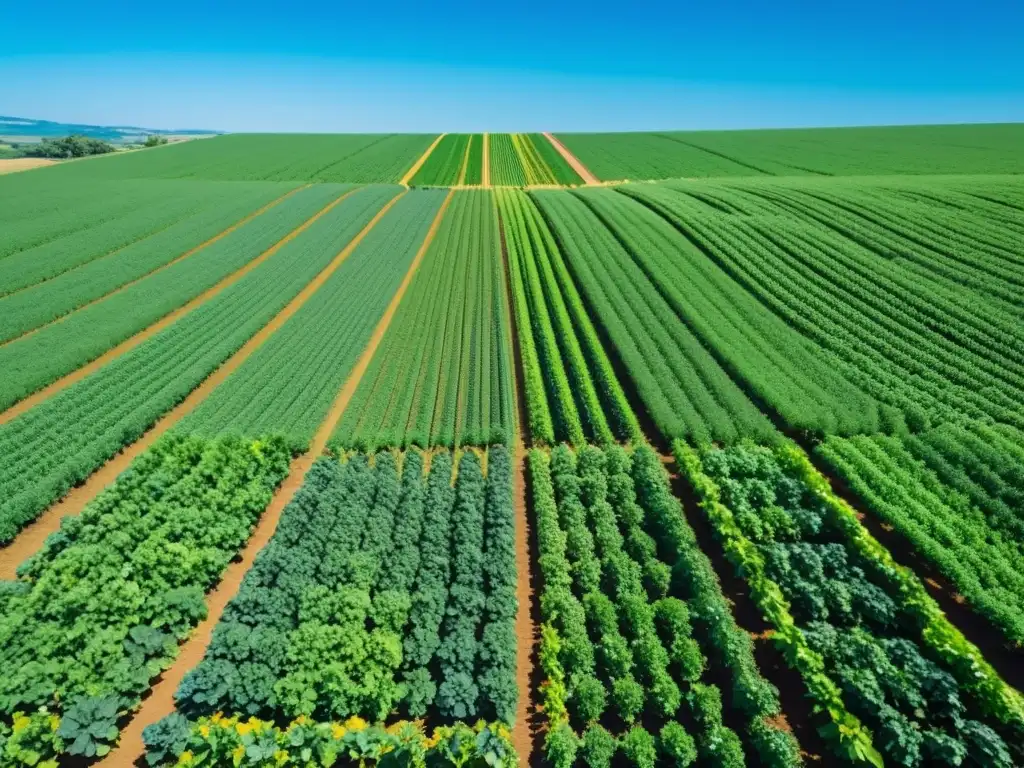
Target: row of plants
x=893, y=680
x=633, y=619
x=899, y=343
x=572, y=393
x=558, y=167
x=686, y=391
x=288, y=384
x=386, y=591
x=775, y=365
x=443, y=372
x=60, y=442
x=506, y=164
x=33, y=362
x=443, y=166
x=98, y=612
x=955, y=494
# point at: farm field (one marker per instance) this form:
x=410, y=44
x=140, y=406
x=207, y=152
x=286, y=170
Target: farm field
x=430, y=450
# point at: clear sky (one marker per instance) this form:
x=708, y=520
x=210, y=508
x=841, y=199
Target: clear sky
x=441, y=66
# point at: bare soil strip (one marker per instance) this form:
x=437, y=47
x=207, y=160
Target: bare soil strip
x=527, y=732
x=571, y=159
x=161, y=268
x=419, y=163
x=160, y=702
x=485, y=173
x=33, y=536
x=15, y=164
x=133, y=341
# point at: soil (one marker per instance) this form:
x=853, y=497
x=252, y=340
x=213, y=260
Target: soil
x=485, y=172
x=572, y=160
x=160, y=701
x=419, y=163
x=32, y=537
x=528, y=732
x=15, y=164
x=133, y=341
x=161, y=268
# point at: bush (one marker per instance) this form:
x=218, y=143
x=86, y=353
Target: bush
x=677, y=745
x=638, y=747
x=599, y=747
x=69, y=146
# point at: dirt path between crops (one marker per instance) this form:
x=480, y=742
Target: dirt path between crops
x=33, y=535
x=133, y=341
x=485, y=171
x=419, y=163
x=528, y=732
x=160, y=701
x=572, y=160
x=15, y=164
x=125, y=286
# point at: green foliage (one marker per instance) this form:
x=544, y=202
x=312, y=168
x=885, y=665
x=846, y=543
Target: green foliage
x=639, y=748
x=166, y=739
x=68, y=147
x=155, y=140
x=444, y=165
x=599, y=747
x=677, y=745
x=506, y=163
x=443, y=373
x=140, y=556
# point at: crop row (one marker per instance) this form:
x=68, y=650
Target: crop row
x=288, y=384
x=129, y=249
x=572, y=393
x=474, y=160
x=443, y=372
x=955, y=493
x=635, y=624
x=61, y=441
x=387, y=589
x=558, y=167
x=350, y=158
x=98, y=612
x=506, y=164
x=894, y=335
x=894, y=679
x=684, y=388
x=444, y=165
x=35, y=361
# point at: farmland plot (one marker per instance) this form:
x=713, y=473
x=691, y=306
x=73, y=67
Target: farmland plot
x=443, y=373
x=633, y=619
x=444, y=166
x=60, y=442
x=897, y=681
x=288, y=384
x=387, y=591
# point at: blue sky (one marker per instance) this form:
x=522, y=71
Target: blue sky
x=322, y=66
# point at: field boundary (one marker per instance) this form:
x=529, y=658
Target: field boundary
x=465, y=164
x=29, y=402
x=419, y=163
x=485, y=171
x=125, y=286
x=160, y=700
x=572, y=160
x=33, y=535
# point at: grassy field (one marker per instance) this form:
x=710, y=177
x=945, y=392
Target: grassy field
x=310, y=459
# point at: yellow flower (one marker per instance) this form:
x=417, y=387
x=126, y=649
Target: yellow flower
x=185, y=758
x=238, y=753
x=54, y=722
x=337, y=731
x=204, y=730
x=217, y=717
x=243, y=728
x=280, y=757
x=300, y=720
x=356, y=723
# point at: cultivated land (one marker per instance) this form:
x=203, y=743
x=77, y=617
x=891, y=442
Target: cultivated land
x=658, y=449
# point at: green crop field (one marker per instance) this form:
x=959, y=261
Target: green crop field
x=332, y=450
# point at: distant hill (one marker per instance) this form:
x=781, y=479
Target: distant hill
x=28, y=129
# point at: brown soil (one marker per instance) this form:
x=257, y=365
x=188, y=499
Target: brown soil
x=32, y=537
x=15, y=164
x=485, y=173
x=133, y=341
x=160, y=701
x=527, y=734
x=419, y=163
x=572, y=160
x=161, y=268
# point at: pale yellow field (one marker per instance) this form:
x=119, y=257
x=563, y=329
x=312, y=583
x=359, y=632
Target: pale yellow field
x=23, y=164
